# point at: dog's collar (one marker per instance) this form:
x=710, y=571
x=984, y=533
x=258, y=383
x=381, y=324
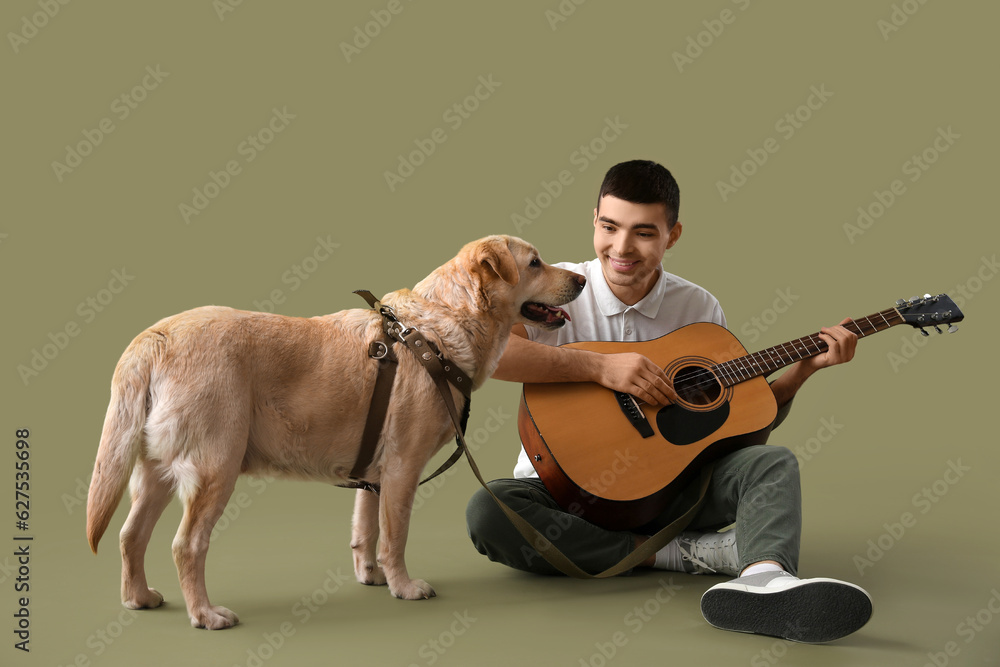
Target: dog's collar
x=426, y=352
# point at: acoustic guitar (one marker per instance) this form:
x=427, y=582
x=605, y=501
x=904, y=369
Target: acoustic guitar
x=618, y=463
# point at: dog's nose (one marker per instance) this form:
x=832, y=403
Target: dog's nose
x=581, y=281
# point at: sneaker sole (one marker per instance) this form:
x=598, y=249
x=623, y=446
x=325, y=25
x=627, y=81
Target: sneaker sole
x=813, y=612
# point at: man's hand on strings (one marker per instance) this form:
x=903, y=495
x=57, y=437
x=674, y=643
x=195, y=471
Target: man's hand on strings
x=841, y=344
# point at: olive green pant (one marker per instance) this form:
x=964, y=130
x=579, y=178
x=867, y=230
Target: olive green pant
x=755, y=488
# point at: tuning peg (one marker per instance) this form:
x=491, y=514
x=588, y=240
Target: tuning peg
x=901, y=303
x=952, y=329
x=914, y=300
x=938, y=329
x=923, y=332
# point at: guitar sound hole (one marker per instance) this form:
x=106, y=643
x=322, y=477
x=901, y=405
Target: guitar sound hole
x=696, y=385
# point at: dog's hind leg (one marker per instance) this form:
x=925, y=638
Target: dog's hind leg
x=151, y=493
x=364, y=539
x=205, y=492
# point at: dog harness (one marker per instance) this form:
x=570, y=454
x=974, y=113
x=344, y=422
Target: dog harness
x=442, y=371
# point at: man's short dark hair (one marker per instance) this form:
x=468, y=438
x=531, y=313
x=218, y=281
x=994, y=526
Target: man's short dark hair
x=643, y=182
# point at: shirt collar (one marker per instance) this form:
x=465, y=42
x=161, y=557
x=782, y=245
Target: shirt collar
x=611, y=305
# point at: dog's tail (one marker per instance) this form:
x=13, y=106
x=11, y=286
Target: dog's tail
x=122, y=438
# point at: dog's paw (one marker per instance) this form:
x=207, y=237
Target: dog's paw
x=415, y=589
x=214, y=618
x=370, y=575
x=366, y=569
x=148, y=600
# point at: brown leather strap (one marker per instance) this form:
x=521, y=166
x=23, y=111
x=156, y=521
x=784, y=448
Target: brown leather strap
x=378, y=406
x=373, y=303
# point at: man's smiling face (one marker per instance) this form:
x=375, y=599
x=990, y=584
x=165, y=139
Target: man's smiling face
x=630, y=240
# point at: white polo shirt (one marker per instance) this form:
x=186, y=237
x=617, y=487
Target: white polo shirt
x=598, y=315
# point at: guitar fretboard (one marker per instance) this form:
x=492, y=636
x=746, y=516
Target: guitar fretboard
x=767, y=361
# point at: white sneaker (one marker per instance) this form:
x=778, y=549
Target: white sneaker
x=705, y=553
x=781, y=605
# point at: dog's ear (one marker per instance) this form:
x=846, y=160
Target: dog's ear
x=494, y=254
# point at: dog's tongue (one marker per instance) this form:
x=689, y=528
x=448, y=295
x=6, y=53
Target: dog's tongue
x=554, y=314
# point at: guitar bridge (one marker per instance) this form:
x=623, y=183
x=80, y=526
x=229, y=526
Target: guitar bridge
x=630, y=408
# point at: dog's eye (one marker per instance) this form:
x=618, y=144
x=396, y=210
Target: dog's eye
x=535, y=263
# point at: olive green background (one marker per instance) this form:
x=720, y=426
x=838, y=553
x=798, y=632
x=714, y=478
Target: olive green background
x=872, y=435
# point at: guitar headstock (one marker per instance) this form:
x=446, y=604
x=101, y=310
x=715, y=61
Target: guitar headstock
x=928, y=311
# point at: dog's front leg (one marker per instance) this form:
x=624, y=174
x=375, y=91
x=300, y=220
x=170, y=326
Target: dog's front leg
x=364, y=539
x=399, y=486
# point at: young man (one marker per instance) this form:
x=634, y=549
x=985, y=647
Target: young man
x=629, y=297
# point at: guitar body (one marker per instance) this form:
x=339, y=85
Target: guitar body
x=620, y=471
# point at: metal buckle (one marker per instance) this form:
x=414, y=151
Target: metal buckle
x=378, y=350
x=393, y=329
x=386, y=311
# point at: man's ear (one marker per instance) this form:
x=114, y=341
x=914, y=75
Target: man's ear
x=495, y=254
x=674, y=234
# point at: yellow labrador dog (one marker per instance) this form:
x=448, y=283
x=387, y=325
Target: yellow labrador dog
x=203, y=396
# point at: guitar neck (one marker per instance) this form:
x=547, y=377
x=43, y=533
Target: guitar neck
x=767, y=361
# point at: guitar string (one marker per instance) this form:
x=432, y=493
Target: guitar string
x=738, y=370
x=735, y=371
